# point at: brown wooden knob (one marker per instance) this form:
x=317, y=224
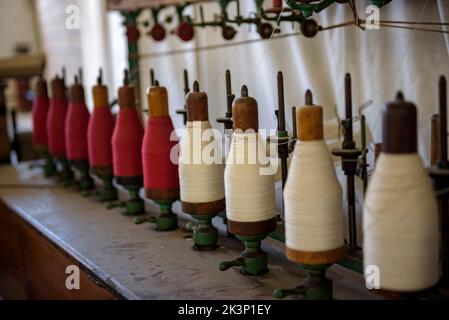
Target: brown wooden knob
x=100, y=96
x=58, y=88
x=41, y=88
x=157, y=101
x=197, y=105
x=399, y=127
x=310, y=123
x=245, y=113
x=76, y=92
x=126, y=97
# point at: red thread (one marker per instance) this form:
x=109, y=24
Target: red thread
x=127, y=144
x=76, y=124
x=41, y=104
x=158, y=170
x=99, y=136
x=55, y=127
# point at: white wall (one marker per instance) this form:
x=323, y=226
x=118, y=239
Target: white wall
x=381, y=62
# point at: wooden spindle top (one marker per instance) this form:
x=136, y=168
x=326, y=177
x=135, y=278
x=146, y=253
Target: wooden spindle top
x=157, y=101
x=310, y=123
x=58, y=88
x=76, y=91
x=41, y=88
x=245, y=113
x=399, y=132
x=197, y=105
x=126, y=94
x=100, y=96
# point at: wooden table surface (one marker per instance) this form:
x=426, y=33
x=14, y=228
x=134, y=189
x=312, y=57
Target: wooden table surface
x=137, y=262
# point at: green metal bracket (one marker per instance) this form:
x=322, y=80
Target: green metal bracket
x=253, y=260
x=308, y=9
x=165, y=221
x=315, y=287
x=205, y=235
x=86, y=183
x=66, y=176
x=133, y=206
x=49, y=166
x=380, y=3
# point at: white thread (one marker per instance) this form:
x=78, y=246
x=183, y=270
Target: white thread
x=200, y=178
x=250, y=194
x=401, y=224
x=313, y=200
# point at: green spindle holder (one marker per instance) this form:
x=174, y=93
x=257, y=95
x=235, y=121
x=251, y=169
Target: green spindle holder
x=134, y=206
x=205, y=235
x=315, y=287
x=66, y=176
x=253, y=260
x=165, y=221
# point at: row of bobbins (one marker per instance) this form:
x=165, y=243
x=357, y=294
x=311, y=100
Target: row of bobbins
x=314, y=223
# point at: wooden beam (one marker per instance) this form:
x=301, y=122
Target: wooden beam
x=128, y=5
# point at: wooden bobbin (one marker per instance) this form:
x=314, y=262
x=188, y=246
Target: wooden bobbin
x=197, y=105
x=126, y=99
x=157, y=101
x=58, y=88
x=126, y=95
x=100, y=96
x=245, y=116
x=76, y=92
x=310, y=127
x=41, y=91
x=41, y=88
x=310, y=123
x=197, y=110
x=157, y=98
x=399, y=127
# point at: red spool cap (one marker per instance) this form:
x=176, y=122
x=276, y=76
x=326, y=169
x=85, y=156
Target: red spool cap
x=185, y=31
x=159, y=170
x=76, y=124
x=56, y=119
x=41, y=105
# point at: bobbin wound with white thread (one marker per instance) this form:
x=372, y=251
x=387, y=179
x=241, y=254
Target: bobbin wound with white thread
x=400, y=212
x=201, y=182
x=250, y=194
x=312, y=195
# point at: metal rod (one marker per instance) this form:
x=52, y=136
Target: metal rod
x=443, y=120
x=229, y=92
x=351, y=212
x=443, y=163
x=348, y=106
x=294, y=134
x=152, y=77
x=309, y=98
x=364, y=168
x=280, y=80
x=186, y=82
x=100, y=77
